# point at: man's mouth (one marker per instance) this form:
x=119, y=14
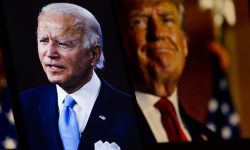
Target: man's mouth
x=163, y=49
x=160, y=48
x=54, y=67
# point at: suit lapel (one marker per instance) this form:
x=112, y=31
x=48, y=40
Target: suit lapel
x=195, y=129
x=48, y=110
x=100, y=120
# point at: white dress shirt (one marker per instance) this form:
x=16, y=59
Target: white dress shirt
x=153, y=116
x=85, y=98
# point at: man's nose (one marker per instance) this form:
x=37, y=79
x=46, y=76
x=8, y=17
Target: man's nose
x=156, y=30
x=52, y=50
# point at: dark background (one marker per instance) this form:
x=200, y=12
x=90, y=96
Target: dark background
x=21, y=21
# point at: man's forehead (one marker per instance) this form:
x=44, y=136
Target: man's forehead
x=55, y=22
x=162, y=7
x=56, y=29
x=138, y=4
x=50, y=25
x=58, y=19
x=159, y=6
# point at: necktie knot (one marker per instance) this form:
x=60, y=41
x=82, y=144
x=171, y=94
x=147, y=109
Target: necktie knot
x=69, y=101
x=164, y=105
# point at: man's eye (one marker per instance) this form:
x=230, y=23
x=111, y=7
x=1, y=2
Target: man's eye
x=168, y=21
x=44, y=41
x=63, y=45
x=138, y=23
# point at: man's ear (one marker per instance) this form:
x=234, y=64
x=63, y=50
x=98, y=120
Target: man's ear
x=185, y=44
x=95, y=55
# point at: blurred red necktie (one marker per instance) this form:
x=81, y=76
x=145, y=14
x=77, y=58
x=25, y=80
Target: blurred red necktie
x=170, y=121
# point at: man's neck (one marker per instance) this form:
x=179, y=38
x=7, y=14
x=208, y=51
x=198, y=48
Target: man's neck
x=160, y=90
x=71, y=88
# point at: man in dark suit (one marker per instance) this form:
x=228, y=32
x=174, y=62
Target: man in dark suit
x=78, y=110
x=156, y=50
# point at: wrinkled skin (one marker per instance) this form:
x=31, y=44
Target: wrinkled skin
x=61, y=52
x=155, y=45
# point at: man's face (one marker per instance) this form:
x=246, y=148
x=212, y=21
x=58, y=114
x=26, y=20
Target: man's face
x=61, y=51
x=155, y=45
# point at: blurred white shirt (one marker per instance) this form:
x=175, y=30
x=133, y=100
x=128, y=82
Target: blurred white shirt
x=146, y=103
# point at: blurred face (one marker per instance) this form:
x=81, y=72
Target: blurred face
x=61, y=52
x=155, y=45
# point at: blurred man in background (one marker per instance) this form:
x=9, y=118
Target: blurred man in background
x=156, y=50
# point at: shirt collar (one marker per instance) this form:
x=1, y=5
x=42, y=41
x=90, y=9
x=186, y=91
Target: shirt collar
x=146, y=103
x=85, y=96
x=146, y=100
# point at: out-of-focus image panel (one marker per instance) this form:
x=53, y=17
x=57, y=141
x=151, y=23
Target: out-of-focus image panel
x=218, y=65
x=193, y=53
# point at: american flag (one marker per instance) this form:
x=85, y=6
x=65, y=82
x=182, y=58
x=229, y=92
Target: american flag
x=8, y=138
x=222, y=116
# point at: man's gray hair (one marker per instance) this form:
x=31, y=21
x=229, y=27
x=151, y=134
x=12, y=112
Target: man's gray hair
x=83, y=18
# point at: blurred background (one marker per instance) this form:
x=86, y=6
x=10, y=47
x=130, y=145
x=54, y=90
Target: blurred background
x=8, y=138
x=215, y=85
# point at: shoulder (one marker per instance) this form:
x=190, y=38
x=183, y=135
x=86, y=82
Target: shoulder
x=115, y=101
x=198, y=131
x=202, y=131
x=37, y=91
x=35, y=95
x=106, y=88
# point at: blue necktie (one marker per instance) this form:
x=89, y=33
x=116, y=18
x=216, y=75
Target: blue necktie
x=68, y=126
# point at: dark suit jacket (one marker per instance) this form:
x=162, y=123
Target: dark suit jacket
x=40, y=110
x=197, y=131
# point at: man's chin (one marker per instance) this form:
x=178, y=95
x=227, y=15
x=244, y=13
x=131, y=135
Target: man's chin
x=55, y=80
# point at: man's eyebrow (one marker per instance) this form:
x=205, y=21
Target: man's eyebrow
x=138, y=14
x=166, y=13
x=144, y=14
x=41, y=36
